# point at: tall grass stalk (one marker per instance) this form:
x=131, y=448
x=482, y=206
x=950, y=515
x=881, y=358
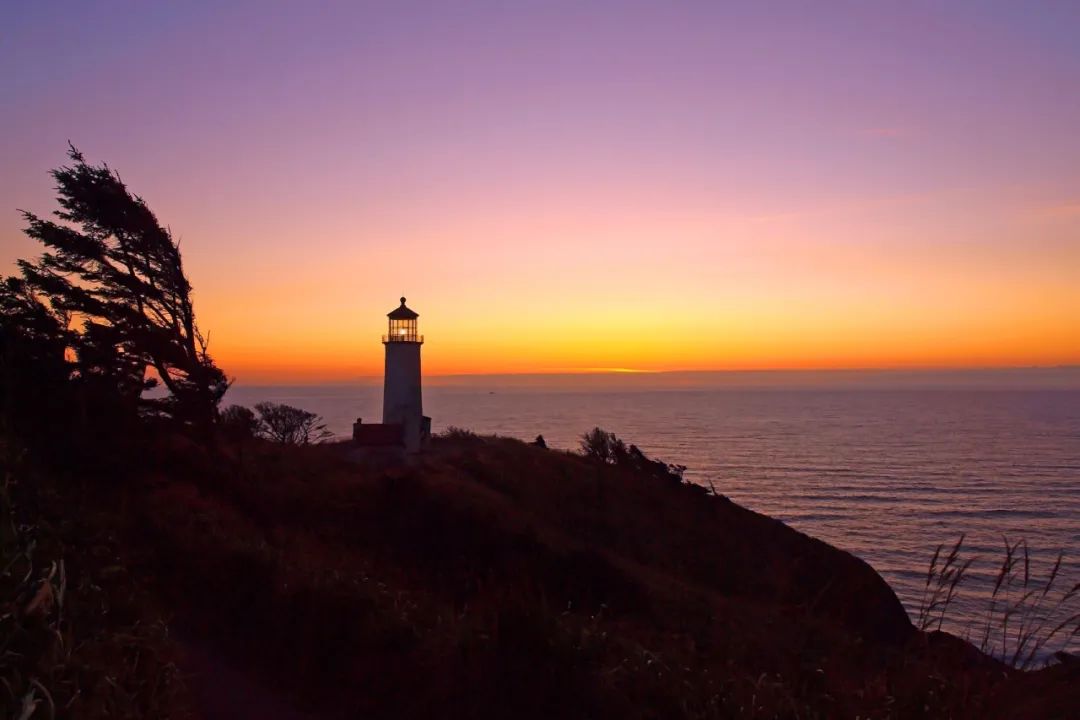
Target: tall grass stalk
x=1024, y=618
x=941, y=585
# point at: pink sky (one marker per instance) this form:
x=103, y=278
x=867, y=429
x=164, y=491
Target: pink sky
x=566, y=186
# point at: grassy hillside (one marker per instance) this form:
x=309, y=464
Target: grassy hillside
x=492, y=578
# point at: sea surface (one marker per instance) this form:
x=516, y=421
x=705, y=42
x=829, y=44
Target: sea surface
x=886, y=474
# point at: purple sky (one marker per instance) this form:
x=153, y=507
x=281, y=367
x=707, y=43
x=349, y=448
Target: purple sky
x=747, y=161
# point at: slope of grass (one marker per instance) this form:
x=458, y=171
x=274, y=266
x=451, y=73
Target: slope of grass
x=81, y=636
x=491, y=578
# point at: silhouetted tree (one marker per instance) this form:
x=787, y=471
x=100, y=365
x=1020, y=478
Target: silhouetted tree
x=240, y=426
x=290, y=425
x=239, y=423
x=113, y=267
x=603, y=446
x=540, y=442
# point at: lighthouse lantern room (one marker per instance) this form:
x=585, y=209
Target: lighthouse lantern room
x=402, y=326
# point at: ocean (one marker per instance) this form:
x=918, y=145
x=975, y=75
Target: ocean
x=887, y=474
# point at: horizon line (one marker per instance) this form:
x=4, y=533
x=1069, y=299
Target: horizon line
x=611, y=373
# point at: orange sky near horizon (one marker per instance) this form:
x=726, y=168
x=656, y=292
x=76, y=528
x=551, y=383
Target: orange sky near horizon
x=886, y=188
x=802, y=290
x=763, y=299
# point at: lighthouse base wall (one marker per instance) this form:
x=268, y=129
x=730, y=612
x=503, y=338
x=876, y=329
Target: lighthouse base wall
x=402, y=395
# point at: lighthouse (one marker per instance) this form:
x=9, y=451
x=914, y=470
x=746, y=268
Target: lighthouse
x=404, y=428
x=402, y=396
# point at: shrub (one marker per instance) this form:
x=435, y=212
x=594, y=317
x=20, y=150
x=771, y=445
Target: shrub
x=610, y=449
x=289, y=425
x=603, y=446
x=239, y=422
x=455, y=433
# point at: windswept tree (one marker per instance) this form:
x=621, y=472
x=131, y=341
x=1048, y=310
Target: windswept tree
x=113, y=269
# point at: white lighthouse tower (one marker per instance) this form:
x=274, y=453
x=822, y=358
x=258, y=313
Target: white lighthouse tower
x=402, y=397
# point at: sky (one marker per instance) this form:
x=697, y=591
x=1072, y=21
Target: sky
x=579, y=186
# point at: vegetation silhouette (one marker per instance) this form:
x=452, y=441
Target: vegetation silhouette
x=289, y=425
x=608, y=448
x=107, y=300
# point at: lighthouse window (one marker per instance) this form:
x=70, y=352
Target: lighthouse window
x=403, y=330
